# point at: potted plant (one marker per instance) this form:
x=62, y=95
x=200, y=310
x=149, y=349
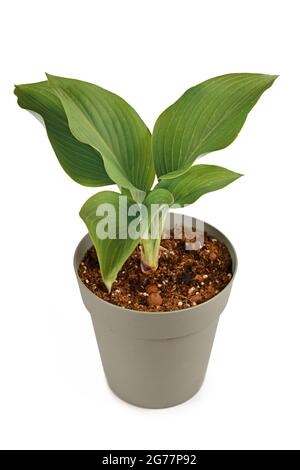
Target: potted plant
x=154, y=292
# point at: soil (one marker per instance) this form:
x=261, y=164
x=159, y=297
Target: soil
x=183, y=279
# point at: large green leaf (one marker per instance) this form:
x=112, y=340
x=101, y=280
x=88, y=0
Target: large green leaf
x=198, y=180
x=206, y=118
x=80, y=161
x=106, y=122
x=114, y=250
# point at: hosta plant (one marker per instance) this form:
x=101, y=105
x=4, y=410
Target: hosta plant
x=100, y=140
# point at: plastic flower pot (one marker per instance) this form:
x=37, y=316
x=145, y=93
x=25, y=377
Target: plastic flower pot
x=155, y=360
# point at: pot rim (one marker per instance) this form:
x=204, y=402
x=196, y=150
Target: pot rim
x=207, y=228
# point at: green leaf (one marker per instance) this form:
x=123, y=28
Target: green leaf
x=114, y=250
x=198, y=180
x=206, y=118
x=80, y=161
x=159, y=196
x=106, y=122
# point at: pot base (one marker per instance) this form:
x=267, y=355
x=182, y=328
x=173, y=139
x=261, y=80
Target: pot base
x=156, y=373
x=160, y=407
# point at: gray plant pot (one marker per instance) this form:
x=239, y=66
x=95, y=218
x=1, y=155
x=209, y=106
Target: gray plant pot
x=155, y=360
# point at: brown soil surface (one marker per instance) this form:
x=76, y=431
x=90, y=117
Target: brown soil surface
x=183, y=279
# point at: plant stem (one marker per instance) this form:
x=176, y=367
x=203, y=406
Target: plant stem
x=150, y=245
x=149, y=255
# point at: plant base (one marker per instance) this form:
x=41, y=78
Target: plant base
x=183, y=278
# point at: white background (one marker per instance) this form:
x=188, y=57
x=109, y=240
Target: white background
x=53, y=391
